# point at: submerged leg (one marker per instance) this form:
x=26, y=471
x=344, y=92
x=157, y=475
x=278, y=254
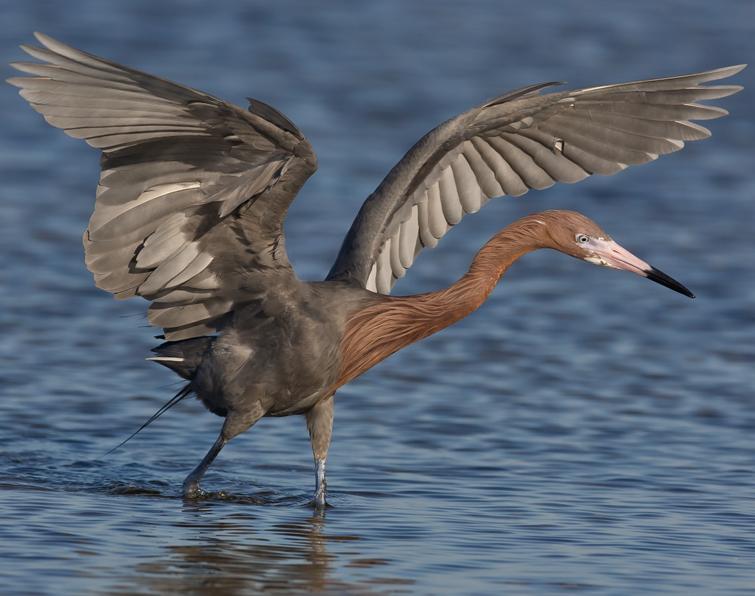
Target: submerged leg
x=191, y=484
x=320, y=426
x=233, y=425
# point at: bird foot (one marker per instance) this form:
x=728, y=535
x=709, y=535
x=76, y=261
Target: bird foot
x=318, y=501
x=192, y=490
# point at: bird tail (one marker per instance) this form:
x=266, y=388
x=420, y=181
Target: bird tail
x=182, y=393
x=182, y=357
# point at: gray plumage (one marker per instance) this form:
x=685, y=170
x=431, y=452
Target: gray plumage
x=193, y=193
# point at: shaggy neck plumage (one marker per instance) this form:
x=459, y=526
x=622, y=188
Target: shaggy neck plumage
x=494, y=259
x=382, y=329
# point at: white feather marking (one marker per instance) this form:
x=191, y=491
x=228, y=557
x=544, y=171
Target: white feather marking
x=163, y=189
x=165, y=359
x=371, y=279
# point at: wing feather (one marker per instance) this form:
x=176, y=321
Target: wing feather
x=530, y=173
x=437, y=221
x=408, y=238
x=449, y=197
x=425, y=233
x=470, y=192
x=542, y=148
x=483, y=173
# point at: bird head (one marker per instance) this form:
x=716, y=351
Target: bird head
x=577, y=235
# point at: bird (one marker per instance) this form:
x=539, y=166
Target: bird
x=193, y=194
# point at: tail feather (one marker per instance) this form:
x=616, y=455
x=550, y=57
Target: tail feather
x=182, y=393
x=182, y=357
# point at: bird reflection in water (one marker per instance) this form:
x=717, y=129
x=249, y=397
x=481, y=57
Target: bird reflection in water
x=233, y=555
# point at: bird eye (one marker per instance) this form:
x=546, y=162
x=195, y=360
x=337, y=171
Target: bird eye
x=583, y=238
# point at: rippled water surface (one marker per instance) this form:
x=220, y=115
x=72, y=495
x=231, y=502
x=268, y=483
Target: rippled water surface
x=585, y=431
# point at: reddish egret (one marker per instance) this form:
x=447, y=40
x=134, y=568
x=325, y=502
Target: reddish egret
x=193, y=193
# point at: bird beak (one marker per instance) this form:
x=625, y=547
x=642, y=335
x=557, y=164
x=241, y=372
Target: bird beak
x=610, y=254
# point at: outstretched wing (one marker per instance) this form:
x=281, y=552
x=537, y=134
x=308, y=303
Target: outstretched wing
x=193, y=190
x=514, y=143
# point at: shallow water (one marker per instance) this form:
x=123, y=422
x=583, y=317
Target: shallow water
x=585, y=431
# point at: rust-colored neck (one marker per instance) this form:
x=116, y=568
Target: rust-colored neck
x=374, y=333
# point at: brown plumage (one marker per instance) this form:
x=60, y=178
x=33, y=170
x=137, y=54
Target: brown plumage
x=392, y=323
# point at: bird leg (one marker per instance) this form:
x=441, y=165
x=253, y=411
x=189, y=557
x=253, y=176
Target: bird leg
x=320, y=426
x=321, y=484
x=235, y=423
x=191, y=484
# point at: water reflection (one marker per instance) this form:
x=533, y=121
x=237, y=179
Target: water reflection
x=239, y=552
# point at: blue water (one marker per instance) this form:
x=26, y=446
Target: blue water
x=585, y=432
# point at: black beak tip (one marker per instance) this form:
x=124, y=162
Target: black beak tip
x=665, y=280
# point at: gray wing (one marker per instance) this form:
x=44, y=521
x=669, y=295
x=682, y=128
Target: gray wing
x=193, y=191
x=514, y=143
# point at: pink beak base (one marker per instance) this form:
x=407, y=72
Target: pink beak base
x=611, y=254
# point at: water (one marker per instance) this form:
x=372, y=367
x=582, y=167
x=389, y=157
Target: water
x=585, y=432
